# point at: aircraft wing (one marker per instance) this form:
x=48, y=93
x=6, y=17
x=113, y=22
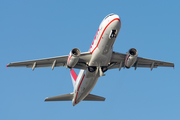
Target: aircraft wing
x=118, y=61
x=60, y=61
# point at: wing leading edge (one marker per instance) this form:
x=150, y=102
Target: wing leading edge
x=118, y=61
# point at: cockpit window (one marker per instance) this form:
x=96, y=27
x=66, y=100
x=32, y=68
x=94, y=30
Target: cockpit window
x=108, y=16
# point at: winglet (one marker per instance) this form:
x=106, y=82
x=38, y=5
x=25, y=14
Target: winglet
x=6, y=66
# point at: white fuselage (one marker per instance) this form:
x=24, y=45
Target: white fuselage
x=101, y=50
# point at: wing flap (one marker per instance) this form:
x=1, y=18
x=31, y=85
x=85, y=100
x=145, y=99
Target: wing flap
x=46, y=65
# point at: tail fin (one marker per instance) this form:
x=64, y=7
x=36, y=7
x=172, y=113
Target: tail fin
x=73, y=77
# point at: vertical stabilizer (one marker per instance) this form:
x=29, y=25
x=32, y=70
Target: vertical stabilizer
x=73, y=77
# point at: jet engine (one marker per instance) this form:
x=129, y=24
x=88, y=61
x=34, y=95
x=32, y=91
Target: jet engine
x=73, y=57
x=131, y=57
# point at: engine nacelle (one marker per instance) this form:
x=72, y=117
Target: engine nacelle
x=131, y=57
x=73, y=57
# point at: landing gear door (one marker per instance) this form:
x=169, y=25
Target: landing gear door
x=113, y=34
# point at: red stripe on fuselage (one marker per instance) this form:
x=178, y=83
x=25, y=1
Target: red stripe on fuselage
x=103, y=33
x=79, y=87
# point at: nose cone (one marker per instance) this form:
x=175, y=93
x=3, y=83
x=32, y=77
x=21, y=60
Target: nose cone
x=115, y=24
x=120, y=22
x=116, y=20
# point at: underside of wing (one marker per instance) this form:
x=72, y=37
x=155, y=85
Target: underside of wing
x=60, y=61
x=144, y=62
x=118, y=61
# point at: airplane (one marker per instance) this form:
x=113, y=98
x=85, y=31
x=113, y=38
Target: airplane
x=94, y=63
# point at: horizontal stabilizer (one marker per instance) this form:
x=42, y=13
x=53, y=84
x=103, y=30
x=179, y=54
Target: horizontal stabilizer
x=65, y=97
x=92, y=97
x=69, y=97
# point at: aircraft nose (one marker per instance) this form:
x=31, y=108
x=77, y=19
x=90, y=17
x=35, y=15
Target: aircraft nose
x=117, y=23
x=120, y=22
x=117, y=20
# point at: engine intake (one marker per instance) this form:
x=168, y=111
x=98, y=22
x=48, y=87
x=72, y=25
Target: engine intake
x=131, y=57
x=73, y=57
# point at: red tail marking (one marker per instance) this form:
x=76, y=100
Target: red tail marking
x=73, y=74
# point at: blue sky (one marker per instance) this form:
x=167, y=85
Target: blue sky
x=35, y=29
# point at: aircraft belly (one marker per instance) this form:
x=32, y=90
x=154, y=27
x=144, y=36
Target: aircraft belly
x=98, y=59
x=101, y=50
x=85, y=88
